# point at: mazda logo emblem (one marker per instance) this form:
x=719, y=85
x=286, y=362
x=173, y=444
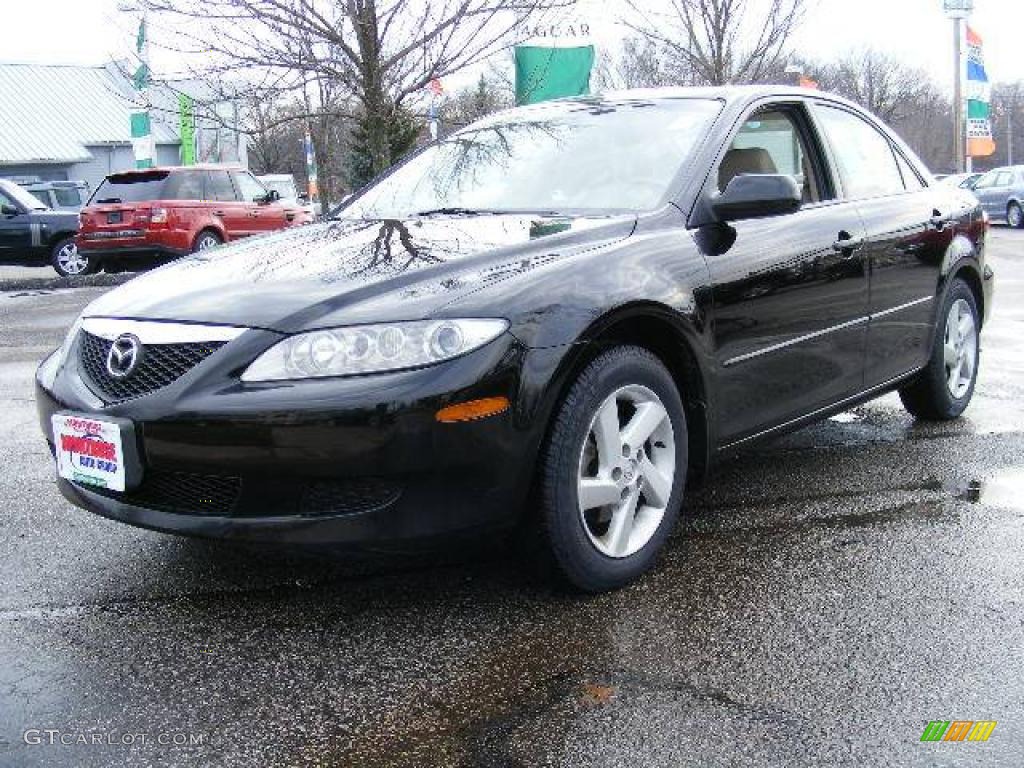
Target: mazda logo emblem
x=124, y=356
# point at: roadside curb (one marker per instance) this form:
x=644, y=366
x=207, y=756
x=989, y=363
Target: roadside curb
x=61, y=283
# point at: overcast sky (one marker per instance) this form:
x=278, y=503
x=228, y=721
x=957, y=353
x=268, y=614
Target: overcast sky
x=91, y=31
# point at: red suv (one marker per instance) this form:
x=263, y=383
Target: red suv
x=174, y=211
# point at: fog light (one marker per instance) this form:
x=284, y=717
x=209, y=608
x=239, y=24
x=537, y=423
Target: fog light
x=473, y=410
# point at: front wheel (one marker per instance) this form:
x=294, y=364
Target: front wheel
x=614, y=470
x=68, y=261
x=944, y=388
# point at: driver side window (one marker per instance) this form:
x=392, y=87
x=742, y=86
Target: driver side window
x=771, y=142
x=251, y=190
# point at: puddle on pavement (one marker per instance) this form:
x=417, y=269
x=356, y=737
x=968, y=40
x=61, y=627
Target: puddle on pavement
x=847, y=417
x=1004, y=490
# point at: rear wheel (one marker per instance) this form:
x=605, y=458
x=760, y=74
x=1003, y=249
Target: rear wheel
x=1015, y=216
x=614, y=470
x=945, y=387
x=68, y=261
x=206, y=240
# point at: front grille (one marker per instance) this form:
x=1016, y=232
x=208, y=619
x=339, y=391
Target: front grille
x=161, y=364
x=182, y=493
x=347, y=497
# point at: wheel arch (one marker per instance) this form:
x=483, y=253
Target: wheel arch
x=962, y=262
x=664, y=333
x=56, y=237
x=209, y=226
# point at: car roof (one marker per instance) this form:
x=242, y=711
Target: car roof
x=738, y=95
x=177, y=168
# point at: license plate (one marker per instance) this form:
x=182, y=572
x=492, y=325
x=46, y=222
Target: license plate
x=114, y=218
x=90, y=451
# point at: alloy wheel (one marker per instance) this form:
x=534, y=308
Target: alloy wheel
x=1014, y=216
x=961, y=348
x=206, y=242
x=626, y=471
x=71, y=261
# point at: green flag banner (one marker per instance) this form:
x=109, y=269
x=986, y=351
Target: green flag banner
x=141, y=77
x=142, y=140
x=187, y=129
x=552, y=73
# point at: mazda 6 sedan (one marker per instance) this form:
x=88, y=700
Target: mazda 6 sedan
x=551, y=321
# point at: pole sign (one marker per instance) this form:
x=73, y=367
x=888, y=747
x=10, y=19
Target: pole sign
x=958, y=9
x=187, y=129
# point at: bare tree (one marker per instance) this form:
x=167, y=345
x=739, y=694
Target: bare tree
x=1007, y=125
x=643, y=63
x=877, y=81
x=721, y=41
x=904, y=96
x=381, y=53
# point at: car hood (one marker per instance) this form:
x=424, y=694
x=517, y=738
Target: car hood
x=346, y=272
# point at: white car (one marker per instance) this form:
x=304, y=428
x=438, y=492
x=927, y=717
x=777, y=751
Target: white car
x=285, y=186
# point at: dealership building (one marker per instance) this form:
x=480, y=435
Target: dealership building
x=73, y=123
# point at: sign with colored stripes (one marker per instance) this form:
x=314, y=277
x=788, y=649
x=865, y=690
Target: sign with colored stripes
x=979, y=94
x=958, y=730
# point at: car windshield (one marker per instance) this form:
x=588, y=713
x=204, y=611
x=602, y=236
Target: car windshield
x=580, y=156
x=22, y=197
x=130, y=188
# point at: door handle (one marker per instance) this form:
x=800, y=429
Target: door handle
x=847, y=243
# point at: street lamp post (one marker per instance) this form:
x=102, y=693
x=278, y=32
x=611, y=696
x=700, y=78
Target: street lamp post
x=958, y=10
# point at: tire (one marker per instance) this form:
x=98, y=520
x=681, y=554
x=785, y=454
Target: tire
x=205, y=240
x=607, y=546
x=68, y=261
x=937, y=394
x=1015, y=216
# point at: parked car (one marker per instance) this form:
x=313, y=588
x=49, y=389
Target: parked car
x=170, y=212
x=1001, y=192
x=962, y=180
x=31, y=233
x=285, y=186
x=60, y=195
x=553, y=319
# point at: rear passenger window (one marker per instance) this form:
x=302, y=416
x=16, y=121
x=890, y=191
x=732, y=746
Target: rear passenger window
x=865, y=157
x=184, y=185
x=218, y=186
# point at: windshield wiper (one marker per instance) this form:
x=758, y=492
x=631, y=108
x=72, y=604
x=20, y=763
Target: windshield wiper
x=455, y=211
x=109, y=200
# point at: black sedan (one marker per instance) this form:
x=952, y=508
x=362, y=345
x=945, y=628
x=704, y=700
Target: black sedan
x=554, y=319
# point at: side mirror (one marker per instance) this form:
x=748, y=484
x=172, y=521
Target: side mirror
x=756, y=195
x=272, y=196
x=9, y=210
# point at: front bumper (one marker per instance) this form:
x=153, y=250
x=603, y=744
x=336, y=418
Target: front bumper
x=358, y=460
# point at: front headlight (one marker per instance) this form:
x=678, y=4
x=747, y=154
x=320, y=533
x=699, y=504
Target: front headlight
x=69, y=339
x=371, y=348
x=49, y=368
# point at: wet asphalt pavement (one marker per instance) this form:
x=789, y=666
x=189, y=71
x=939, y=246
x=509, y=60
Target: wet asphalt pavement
x=828, y=594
